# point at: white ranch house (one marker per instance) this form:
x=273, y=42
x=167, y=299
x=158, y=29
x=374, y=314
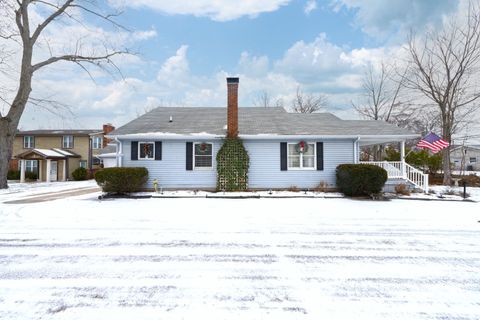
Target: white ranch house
x=178, y=146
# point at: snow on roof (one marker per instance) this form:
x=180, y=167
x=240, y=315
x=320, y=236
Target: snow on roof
x=251, y=121
x=63, y=152
x=50, y=153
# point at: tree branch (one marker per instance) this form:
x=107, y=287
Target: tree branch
x=77, y=58
x=50, y=18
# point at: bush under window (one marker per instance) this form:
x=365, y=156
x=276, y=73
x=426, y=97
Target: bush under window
x=360, y=179
x=80, y=174
x=121, y=180
x=13, y=175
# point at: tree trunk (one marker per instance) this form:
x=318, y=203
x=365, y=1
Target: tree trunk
x=6, y=142
x=9, y=123
x=447, y=173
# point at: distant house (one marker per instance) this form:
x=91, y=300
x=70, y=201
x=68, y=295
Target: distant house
x=108, y=155
x=465, y=158
x=179, y=145
x=54, y=154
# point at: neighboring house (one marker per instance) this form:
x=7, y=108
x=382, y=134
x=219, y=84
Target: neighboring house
x=58, y=152
x=108, y=156
x=465, y=158
x=178, y=146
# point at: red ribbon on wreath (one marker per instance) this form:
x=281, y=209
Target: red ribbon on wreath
x=301, y=147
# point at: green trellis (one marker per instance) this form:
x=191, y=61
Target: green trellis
x=232, y=166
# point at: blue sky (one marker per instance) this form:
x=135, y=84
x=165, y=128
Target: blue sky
x=187, y=48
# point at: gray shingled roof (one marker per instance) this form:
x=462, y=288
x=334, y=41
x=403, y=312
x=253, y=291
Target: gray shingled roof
x=252, y=121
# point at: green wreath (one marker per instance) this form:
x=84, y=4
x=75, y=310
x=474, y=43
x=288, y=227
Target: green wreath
x=301, y=147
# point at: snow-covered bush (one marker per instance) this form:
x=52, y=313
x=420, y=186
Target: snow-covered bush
x=121, y=180
x=360, y=179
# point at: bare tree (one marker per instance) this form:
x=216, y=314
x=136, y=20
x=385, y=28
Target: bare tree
x=264, y=99
x=26, y=33
x=383, y=98
x=443, y=67
x=308, y=102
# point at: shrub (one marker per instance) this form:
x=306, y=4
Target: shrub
x=13, y=175
x=360, y=179
x=121, y=180
x=293, y=189
x=471, y=180
x=31, y=175
x=79, y=174
x=418, y=158
x=402, y=189
x=321, y=187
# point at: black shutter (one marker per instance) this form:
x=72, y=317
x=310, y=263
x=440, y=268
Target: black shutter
x=319, y=155
x=189, y=156
x=134, y=151
x=283, y=156
x=158, y=150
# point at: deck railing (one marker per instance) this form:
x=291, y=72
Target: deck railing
x=402, y=170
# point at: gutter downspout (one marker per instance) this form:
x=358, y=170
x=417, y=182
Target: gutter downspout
x=118, y=157
x=356, y=151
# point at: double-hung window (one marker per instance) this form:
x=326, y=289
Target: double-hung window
x=30, y=166
x=97, y=143
x=473, y=159
x=67, y=142
x=28, y=142
x=301, y=158
x=146, y=150
x=203, y=155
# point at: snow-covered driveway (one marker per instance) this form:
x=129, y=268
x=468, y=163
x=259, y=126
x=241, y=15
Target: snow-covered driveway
x=239, y=259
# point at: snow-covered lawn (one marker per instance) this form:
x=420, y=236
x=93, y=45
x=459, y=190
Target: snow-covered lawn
x=81, y=258
x=18, y=190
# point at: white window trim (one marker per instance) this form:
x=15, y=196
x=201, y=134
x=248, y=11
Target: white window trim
x=144, y=142
x=100, y=145
x=301, y=159
x=83, y=161
x=193, y=154
x=474, y=161
x=32, y=142
x=63, y=142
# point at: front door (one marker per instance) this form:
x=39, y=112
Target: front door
x=53, y=171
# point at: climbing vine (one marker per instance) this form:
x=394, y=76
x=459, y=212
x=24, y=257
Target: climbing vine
x=232, y=166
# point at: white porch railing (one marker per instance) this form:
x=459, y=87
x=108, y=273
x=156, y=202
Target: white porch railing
x=402, y=170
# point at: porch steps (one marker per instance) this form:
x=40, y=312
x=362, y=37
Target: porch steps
x=402, y=172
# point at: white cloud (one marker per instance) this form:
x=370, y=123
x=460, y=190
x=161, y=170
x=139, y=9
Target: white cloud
x=382, y=19
x=310, y=6
x=253, y=65
x=224, y=10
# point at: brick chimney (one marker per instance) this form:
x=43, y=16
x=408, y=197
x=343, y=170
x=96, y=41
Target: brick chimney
x=232, y=107
x=107, y=128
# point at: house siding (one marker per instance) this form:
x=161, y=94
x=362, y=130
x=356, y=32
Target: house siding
x=171, y=170
x=264, y=171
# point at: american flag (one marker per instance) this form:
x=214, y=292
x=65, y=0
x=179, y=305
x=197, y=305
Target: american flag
x=432, y=142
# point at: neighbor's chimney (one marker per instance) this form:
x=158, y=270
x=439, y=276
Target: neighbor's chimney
x=107, y=128
x=232, y=107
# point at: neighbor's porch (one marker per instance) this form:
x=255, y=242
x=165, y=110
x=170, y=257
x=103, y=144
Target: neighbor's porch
x=52, y=163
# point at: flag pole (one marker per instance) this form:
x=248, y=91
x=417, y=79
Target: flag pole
x=405, y=157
